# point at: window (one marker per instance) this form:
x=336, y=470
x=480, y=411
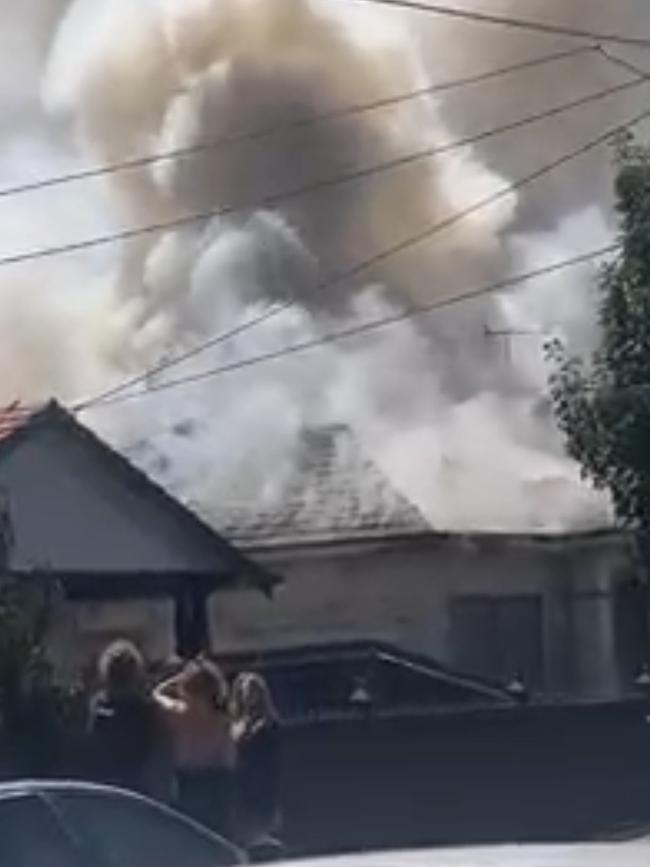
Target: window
x=30, y=835
x=119, y=831
x=498, y=637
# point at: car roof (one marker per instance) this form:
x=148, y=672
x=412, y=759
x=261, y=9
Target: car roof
x=22, y=788
x=14, y=788
x=628, y=854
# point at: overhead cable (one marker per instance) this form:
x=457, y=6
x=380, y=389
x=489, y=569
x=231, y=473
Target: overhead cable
x=287, y=195
x=363, y=328
x=509, y=21
x=338, y=278
x=261, y=133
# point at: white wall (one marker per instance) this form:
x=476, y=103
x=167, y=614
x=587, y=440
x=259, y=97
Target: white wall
x=399, y=591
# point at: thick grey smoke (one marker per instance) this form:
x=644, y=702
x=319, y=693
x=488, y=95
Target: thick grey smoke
x=456, y=417
x=49, y=311
x=461, y=43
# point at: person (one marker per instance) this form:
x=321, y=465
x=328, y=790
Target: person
x=195, y=705
x=128, y=743
x=256, y=732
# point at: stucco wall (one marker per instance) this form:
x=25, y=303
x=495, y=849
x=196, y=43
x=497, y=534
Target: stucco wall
x=400, y=591
x=81, y=630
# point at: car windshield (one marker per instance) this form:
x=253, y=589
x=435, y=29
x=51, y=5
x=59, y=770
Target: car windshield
x=324, y=429
x=128, y=832
x=31, y=836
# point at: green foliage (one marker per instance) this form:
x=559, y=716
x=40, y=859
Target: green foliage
x=603, y=405
x=30, y=704
x=24, y=620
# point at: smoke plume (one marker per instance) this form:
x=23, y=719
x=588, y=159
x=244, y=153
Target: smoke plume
x=451, y=405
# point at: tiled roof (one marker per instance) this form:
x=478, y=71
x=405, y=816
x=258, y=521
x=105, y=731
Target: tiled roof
x=13, y=417
x=335, y=492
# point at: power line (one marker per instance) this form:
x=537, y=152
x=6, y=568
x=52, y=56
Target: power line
x=622, y=62
x=288, y=126
x=546, y=28
x=273, y=199
x=217, y=339
x=364, y=265
x=366, y=327
x=274, y=311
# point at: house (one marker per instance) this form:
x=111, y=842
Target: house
x=128, y=558
x=566, y=613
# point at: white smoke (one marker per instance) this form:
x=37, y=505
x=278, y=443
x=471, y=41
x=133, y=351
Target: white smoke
x=456, y=417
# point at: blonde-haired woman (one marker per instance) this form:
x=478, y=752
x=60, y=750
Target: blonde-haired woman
x=256, y=733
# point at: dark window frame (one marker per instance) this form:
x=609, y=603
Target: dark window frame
x=496, y=611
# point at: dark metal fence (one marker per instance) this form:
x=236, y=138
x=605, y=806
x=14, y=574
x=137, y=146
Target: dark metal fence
x=503, y=775
x=431, y=778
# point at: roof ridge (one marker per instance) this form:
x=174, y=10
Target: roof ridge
x=336, y=488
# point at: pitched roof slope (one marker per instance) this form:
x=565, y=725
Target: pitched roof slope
x=228, y=562
x=336, y=492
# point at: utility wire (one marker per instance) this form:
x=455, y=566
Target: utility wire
x=622, y=62
x=276, y=198
x=364, y=265
x=288, y=126
x=366, y=327
x=510, y=21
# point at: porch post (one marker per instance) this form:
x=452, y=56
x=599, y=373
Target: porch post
x=191, y=621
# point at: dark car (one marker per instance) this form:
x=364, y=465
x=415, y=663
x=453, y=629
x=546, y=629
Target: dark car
x=72, y=824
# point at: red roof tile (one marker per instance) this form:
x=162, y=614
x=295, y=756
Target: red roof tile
x=14, y=416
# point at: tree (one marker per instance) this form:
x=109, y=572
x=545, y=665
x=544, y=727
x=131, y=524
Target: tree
x=30, y=702
x=31, y=705
x=602, y=405
x=24, y=621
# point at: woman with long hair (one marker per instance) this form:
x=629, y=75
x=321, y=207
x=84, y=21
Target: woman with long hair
x=195, y=705
x=256, y=731
x=128, y=743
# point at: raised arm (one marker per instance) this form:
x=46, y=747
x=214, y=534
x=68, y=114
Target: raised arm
x=168, y=694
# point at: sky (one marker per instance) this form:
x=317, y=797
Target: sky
x=456, y=417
